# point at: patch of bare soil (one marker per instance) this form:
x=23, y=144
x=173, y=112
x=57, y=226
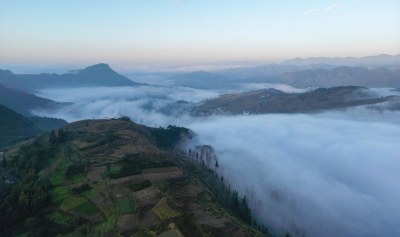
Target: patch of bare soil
x=185, y=191
x=94, y=174
x=162, y=173
x=128, y=179
x=148, y=196
x=128, y=223
x=149, y=219
x=204, y=218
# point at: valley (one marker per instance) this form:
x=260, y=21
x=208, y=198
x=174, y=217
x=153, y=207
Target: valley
x=88, y=153
x=199, y=118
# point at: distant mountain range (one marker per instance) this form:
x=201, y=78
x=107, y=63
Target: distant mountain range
x=96, y=75
x=373, y=71
x=318, y=76
x=201, y=80
x=232, y=78
x=269, y=70
x=275, y=101
x=376, y=61
x=339, y=76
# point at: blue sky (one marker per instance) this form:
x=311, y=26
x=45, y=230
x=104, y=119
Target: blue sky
x=140, y=32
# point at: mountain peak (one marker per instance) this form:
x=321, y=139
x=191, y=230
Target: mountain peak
x=102, y=75
x=99, y=66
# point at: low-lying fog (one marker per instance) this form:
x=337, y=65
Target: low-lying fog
x=313, y=175
x=146, y=104
x=328, y=174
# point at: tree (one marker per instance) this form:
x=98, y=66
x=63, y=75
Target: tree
x=235, y=199
x=23, y=199
x=61, y=135
x=52, y=137
x=245, y=211
x=4, y=162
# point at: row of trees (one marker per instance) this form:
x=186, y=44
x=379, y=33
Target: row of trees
x=222, y=191
x=24, y=204
x=169, y=137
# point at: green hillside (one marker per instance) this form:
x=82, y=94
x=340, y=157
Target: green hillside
x=116, y=178
x=14, y=127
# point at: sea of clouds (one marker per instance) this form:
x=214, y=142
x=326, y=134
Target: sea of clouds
x=145, y=104
x=335, y=173
x=313, y=175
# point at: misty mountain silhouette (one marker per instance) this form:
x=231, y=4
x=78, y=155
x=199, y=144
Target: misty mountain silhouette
x=303, y=76
x=14, y=127
x=22, y=102
x=201, y=80
x=382, y=60
x=342, y=76
x=275, y=101
x=92, y=76
x=15, y=115
x=102, y=75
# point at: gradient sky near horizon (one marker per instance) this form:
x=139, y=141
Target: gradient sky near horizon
x=194, y=31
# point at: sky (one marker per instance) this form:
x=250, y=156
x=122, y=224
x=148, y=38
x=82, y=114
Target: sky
x=138, y=33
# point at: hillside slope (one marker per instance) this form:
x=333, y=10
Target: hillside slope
x=275, y=101
x=14, y=127
x=23, y=102
x=115, y=178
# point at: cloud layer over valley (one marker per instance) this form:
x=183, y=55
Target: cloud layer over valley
x=315, y=175
x=147, y=104
x=327, y=174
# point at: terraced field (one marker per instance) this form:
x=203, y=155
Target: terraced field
x=109, y=178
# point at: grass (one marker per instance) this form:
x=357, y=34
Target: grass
x=111, y=170
x=58, y=194
x=78, y=178
x=61, y=218
x=90, y=193
x=87, y=208
x=42, y=173
x=23, y=235
x=58, y=179
x=161, y=184
x=115, y=168
x=106, y=226
x=125, y=206
x=164, y=211
x=71, y=202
